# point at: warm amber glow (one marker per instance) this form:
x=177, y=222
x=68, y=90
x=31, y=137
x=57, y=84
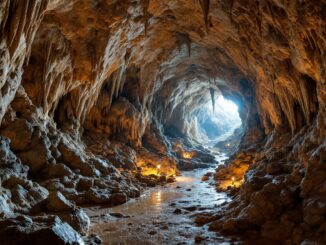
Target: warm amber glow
x=158, y=196
x=150, y=167
x=230, y=183
x=187, y=155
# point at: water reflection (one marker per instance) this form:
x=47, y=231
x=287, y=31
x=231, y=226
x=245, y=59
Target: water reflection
x=156, y=200
x=158, y=194
x=185, y=179
x=151, y=217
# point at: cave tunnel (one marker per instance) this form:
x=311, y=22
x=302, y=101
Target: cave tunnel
x=162, y=122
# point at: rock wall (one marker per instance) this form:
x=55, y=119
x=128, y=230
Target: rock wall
x=88, y=89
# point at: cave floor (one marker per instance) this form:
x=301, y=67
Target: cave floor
x=162, y=215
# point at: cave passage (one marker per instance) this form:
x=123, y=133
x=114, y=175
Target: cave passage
x=217, y=122
x=162, y=122
x=163, y=213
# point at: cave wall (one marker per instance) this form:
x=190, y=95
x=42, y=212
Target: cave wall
x=73, y=56
x=86, y=81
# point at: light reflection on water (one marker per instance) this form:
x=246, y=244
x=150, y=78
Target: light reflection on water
x=185, y=179
x=155, y=209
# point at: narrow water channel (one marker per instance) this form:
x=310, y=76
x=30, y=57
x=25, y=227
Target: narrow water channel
x=162, y=215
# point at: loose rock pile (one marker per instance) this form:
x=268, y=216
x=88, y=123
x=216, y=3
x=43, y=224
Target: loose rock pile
x=281, y=199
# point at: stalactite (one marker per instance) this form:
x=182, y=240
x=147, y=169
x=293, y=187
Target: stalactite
x=145, y=5
x=205, y=5
x=14, y=24
x=112, y=83
x=212, y=93
x=119, y=82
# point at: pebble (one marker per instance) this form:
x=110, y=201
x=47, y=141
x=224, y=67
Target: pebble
x=152, y=232
x=177, y=211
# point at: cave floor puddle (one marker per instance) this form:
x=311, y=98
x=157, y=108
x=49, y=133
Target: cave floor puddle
x=162, y=215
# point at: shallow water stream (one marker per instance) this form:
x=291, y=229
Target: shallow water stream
x=162, y=215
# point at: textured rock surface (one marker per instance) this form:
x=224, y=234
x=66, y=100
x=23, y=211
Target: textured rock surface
x=51, y=230
x=93, y=93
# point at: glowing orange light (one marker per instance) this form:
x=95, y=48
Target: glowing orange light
x=187, y=155
x=158, y=197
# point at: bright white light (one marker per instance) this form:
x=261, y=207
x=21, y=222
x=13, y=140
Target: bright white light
x=221, y=123
x=226, y=105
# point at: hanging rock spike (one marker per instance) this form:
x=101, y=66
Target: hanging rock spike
x=212, y=92
x=204, y=4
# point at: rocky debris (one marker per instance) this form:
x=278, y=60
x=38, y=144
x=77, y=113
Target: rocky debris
x=177, y=211
x=67, y=71
x=56, y=170
x=190, y=208
x=152, y=232
x=118, y=198
x=151, y=163
x=62, y=186
x=201, y=219
x=230, y=175
x=77, y=219
x=93, y=240
x=191, y=156
x=206, y=176
x=56, y=202
x=10, y=164
x=20, y=132
x=276, y=198
x=17, y=192
x=119, y=154
x=119, y=215
x=199, y=239
x=75, y=159
x=98, y=196
x=39, y=230
x=188, y=165
x=153, y=180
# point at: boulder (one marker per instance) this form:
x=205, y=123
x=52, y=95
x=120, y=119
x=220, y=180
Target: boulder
x=75, y=159
x=53, y=170
x=97, y=196
x=77, y=219
x=38, y=231
x=20, y=134
x=57, y=202
x=118, y=198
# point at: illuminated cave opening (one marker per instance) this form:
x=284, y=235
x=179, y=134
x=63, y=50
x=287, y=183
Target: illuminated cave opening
x=217, y=121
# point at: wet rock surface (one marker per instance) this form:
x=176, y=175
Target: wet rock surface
x=162, y=215
x=272, y=201
x=98, y=102
x=39, y=230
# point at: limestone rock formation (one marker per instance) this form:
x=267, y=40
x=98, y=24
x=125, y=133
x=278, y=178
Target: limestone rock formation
x=95, y=95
